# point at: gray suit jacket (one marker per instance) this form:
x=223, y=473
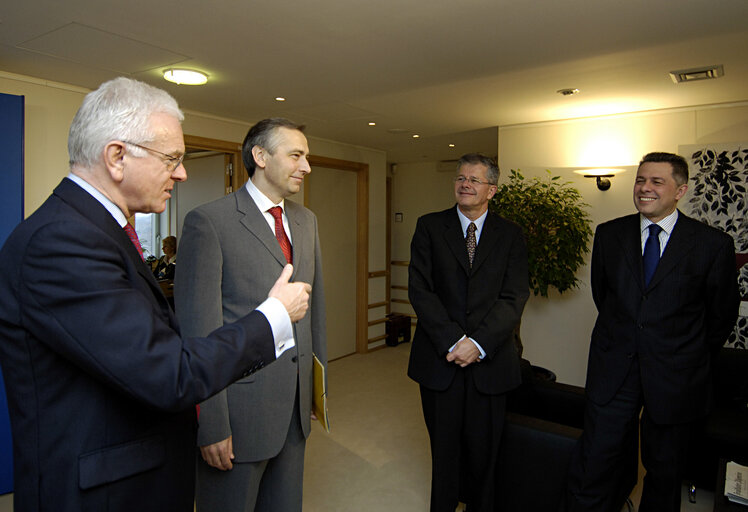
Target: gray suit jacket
x=229, y=259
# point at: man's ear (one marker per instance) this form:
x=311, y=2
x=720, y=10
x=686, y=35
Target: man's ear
x=259, y=154
x=114, y=160
x=681, y=191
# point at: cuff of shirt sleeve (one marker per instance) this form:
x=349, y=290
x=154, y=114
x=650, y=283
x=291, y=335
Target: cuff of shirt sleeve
x=280, y=323
x=482, y=352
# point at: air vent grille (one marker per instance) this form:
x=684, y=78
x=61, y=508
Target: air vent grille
x=694, y=74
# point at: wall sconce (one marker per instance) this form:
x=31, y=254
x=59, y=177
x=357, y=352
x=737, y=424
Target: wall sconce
x=602, y=176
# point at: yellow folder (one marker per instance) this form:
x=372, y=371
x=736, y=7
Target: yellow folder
x=320, y=394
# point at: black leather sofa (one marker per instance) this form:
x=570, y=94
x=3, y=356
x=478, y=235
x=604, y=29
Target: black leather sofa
x=544, y=421
x=724, y=433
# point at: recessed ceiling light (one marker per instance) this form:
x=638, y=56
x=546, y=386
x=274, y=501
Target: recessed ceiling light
x=372, y=123
x=416, y=136
x=451, y=145
x=185, y=76
x=568, y=92
x=280, y=98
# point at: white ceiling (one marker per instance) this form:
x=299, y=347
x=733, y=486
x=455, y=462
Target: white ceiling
x=450, y=71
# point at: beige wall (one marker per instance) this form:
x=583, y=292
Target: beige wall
x=417, y=188
x=50, y=108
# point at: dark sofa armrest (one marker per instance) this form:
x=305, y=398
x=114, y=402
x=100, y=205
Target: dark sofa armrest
x=550, y=401
x=533, y=463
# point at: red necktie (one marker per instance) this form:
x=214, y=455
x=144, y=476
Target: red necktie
x=280, y=233
x=134, y=238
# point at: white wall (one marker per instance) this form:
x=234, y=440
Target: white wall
x=556, y=330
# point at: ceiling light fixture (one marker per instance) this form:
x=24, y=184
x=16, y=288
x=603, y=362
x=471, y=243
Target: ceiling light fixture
x=416, y=136
x=568, y=92
x=451, y=145
x=185, y=76
x=280, y=98
x=372, y=123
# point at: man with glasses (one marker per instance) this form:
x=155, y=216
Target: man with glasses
x=101, y=385
x=468, y=285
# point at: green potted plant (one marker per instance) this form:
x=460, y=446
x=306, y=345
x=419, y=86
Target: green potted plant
x=556, y=225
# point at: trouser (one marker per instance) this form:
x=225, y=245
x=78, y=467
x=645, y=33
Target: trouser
x=602, y=456
x=465, y=428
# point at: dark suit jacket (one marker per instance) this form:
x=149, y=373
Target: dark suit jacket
x=451, y=299
x=689, y=307
x=163, y=269
x=101, y=387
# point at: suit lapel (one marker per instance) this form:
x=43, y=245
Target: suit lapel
x=489, y=236
x=94, y=211
x=455, y=238
x=254, y=220
x=630, y=243
x=679, y=244
x=300, y=236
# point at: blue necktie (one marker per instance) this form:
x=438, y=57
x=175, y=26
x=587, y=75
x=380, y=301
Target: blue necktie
x=651, y=252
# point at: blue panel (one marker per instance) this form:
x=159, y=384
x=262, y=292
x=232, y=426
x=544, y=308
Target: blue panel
x=11, y=213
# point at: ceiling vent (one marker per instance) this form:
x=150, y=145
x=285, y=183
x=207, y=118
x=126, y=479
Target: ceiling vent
x=691, y=75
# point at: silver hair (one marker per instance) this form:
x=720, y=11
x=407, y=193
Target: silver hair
x=492, y=169
x=119, y=109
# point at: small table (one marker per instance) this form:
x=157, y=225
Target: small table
x=721, y=503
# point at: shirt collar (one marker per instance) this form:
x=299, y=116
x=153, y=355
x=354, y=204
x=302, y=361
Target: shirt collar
x=112, y=208
x=667, y=224
x=261, y=200
x=465, y=222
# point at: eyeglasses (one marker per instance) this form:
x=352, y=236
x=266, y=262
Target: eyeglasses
x=472, y=179
x=173, y=161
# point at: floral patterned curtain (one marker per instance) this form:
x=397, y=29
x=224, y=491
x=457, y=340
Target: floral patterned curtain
x=717, y=195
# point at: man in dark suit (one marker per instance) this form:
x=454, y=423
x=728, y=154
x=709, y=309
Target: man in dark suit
x=252, y=435
x=667, y=296
x=468, y=285
x=101, y=386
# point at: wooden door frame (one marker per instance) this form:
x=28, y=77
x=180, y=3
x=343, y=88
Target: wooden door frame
x=235, y=175
x=362, y=239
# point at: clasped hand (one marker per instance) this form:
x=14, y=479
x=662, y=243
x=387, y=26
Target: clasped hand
x=464, y=353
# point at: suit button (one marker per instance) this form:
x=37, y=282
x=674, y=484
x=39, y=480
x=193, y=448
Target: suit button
x=294, y=359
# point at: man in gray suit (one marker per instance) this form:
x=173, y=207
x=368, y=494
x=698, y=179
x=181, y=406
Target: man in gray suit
x=252, y=435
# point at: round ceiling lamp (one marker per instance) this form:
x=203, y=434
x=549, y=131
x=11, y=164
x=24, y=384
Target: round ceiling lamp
x=185, y=76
